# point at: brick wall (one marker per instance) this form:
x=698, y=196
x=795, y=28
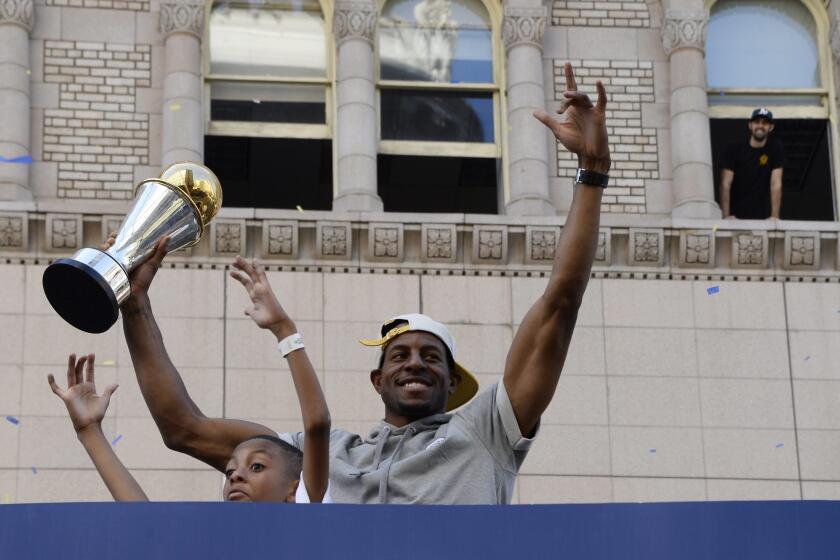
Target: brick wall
x=626, y=13
x=136, y=5
x=95, y=135
x=634, y=149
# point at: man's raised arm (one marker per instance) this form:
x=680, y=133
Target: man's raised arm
x=539, y=348
x=182, y=425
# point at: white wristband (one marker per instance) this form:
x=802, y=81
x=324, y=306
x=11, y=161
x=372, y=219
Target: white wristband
x=290, y=344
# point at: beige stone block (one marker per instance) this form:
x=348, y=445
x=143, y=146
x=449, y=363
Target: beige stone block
x=204, y=385
x=739, y=490
x=569, y=450
x=554, y=43
x=351, y=396
x=107, y=26
x=51, y=443
x=650, y=45
x=343, y=351
x=734, y=453
x=602, y=43
x=300, y=293
x=12, y=292
x=370, y=297
x=629, y=489
x=746, y=403
x=654, y=401
x=482, y=348
x=261, y=393
x=148, y=28
x=188, y=293
x=12, y=382
x=181, y=486
x=586, y=352
x=665, y=452
x=813, y=306
x=816, y=405
x=142, y=447
x=742, y=353
x=11, y=342
x=189, y=342
x=818, y=453
x=37, y=399
x=579, y=399
x=8, y=486
x=564, y=489
x=62, y=485
x=9, y=438
x=467, y=299
x=815, y=355
x=647, y=303
x=49, y=340
x=250, y=347
x=655, y=352
x=526, y=291
x=739, y=305
x=34, y=298
x=813, y=490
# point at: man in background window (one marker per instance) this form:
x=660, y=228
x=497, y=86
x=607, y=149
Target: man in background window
x=751, y=182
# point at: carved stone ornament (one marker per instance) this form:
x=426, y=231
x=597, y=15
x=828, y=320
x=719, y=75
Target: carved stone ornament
x=541, y=244
x=333, y=240
x=64, y=232
x=280, y=239
x=438, y=243
x=647, y=247
x=182, y=16
x=18, y=12
x=385, y=242
x=227, y=237
x=684, y=30
x=523, y=26
x=802, y=250
x=603, y=253
x=697, y=248
x=354, y=20
x=749, y=249
x=13, y=232
x=489, y=244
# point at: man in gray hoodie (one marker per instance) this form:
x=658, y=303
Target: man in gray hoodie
x=420, y=453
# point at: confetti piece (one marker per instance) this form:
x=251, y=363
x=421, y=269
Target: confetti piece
x=109, y=363
x=713, y=290
x=19, y=159
x=299, y=208
x=779, y=445
x=714, y=228
x=257, y=101
x=807, y=358
x=34, y=470
x=28, y=72
x=175, y=107
x=13, y=420
x=116, y=440
x=651, y=450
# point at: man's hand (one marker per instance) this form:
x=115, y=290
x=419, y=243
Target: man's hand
x=142, y=276
x=265, y=310
x=84, y=406
x=581, y=127
x=108, y=243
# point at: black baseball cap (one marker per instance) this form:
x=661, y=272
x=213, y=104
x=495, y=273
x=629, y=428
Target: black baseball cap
x=762, y=113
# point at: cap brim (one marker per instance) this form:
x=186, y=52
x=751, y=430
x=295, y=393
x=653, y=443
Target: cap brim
x=465, y=391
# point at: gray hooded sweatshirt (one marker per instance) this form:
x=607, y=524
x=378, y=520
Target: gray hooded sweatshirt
x=469, y=457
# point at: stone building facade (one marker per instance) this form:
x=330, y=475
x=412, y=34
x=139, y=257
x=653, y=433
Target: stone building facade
x=704, y=361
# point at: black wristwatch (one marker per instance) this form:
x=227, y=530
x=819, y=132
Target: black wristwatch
x=592, y=178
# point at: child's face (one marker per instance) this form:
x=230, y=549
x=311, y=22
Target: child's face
x=255, y=473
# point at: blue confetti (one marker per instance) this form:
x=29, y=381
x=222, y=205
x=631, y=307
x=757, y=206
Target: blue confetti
x=116, y=440
x=651, y=450
x=713, y=290
x=19, y=159
x=13, y=420
x=807, y=358
x=34, y=470
x=779, y=445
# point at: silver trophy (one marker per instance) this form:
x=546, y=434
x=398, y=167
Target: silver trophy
x=88, y=288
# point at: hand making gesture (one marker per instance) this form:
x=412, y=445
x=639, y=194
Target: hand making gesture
x=265, y=310
x=84, y=406
x=581, y=127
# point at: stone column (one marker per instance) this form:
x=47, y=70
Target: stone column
x=182, y=25
x=16, y=21
x=522, y=33
x=354, y=25
x=684, y=39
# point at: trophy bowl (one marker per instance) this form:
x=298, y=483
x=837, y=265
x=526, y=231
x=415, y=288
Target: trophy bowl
x=87, y=289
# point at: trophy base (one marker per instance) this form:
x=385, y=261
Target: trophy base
x=87, y=289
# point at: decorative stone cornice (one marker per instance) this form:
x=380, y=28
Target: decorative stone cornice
x=834, y=35
x=18, y=12
x=684, y=30
x=523, y=26
x=181, y=16
x=354, y=20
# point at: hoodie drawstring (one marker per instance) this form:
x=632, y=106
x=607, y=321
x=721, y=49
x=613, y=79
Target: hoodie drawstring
x=383, y=481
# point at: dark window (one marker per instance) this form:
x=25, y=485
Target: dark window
x=438, y=184
x=272, y=172
x=807, y=187
x=443, y=116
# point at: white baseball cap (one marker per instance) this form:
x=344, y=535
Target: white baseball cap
x=395, y=326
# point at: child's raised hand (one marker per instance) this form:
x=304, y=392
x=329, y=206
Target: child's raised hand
x=265, y=310
x=84, y=406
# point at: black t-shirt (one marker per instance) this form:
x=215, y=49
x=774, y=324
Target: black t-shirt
x=750, y=194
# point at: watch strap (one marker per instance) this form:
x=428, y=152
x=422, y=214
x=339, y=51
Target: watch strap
x=593, y=178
